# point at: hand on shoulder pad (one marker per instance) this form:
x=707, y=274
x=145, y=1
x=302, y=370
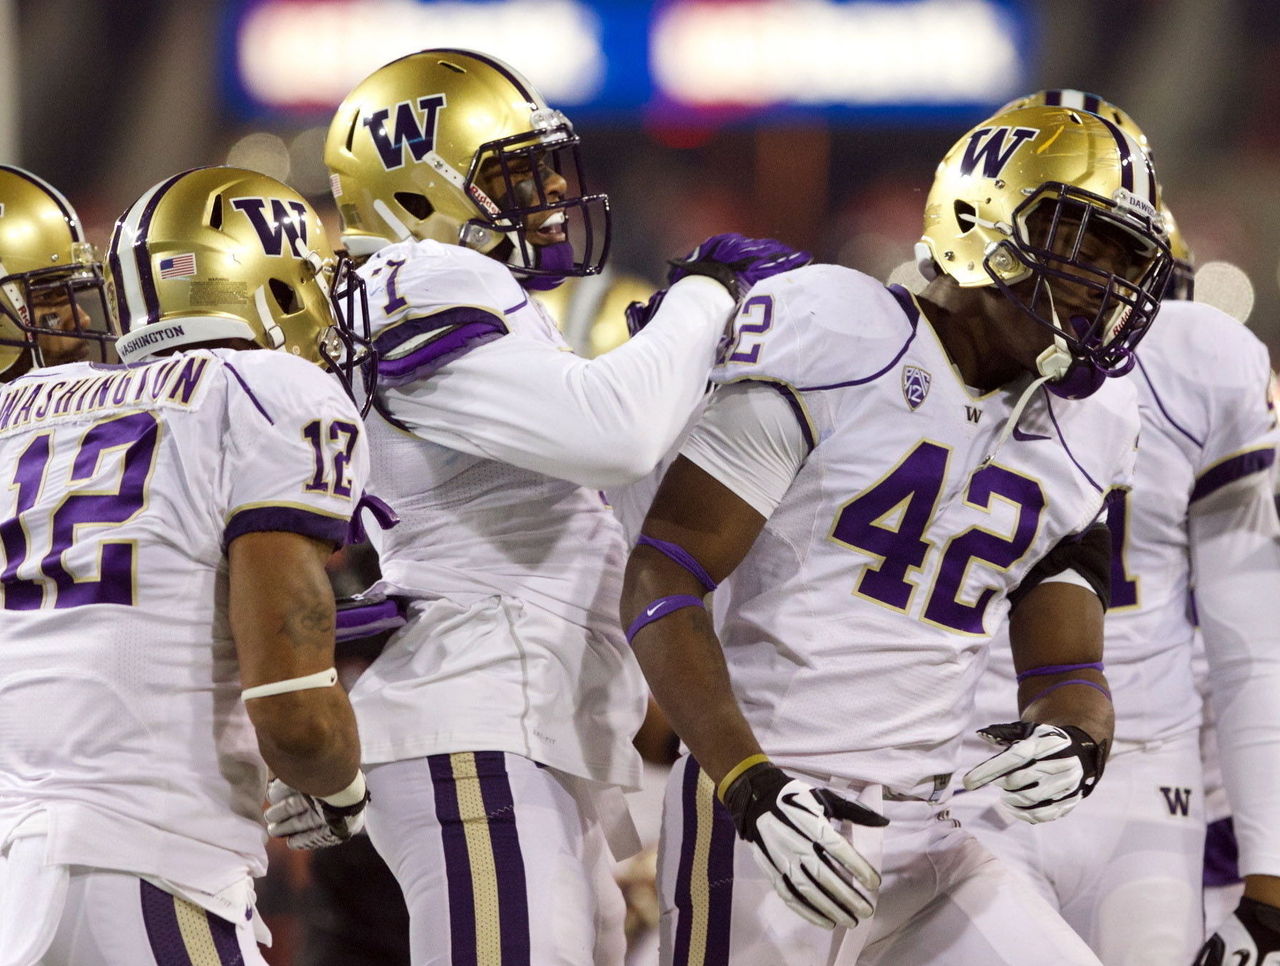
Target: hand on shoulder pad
x=309, y=822
x=815, y=869
x=1250, y=935
x=1044, y=770
x=737, y=262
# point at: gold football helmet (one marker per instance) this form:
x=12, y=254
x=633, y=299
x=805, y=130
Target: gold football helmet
x=456, y=146
x=1045, y=203
x=223, y=253
x=52, y=298
x=1182, y=278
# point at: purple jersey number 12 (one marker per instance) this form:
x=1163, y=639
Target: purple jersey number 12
x=77, y=515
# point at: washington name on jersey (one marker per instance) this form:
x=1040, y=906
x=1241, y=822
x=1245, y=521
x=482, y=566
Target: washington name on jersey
x=124, y=732
x=856, y=626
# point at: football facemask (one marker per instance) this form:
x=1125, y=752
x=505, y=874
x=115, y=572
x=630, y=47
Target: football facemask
x=223, y=253
x=455, y=146
x=1059, y=210
x=53, y=305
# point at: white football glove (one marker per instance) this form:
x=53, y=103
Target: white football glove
x=308, y=822
x=815, y=869
x=1251, y=935
x=1044, y=770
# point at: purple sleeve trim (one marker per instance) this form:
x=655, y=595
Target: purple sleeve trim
x=1062, y=684
x=1221, y=854
x=660, y=608
x=383, y=515
x=288, y=519
x=1228, y=471
x=1059, y=669
x=443, y=337
x=355, y=623
x=797, y=407
x=679, y=555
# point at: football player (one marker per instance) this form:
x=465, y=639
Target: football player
x=877, y=480
x=497, y=724
x=1125, y=871
x=168, y=628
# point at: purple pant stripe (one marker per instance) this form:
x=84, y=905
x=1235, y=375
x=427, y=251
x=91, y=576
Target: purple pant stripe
x=160, y=916
x=684, y=873
x=457, y=863
x=508, y=860
x=720, y=881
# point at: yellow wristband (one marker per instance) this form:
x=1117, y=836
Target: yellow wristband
x=736, y=771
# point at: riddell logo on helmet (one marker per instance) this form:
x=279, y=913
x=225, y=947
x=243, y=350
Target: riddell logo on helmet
x=993, y=147
x=405, y=130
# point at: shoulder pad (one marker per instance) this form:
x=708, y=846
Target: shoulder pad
x=819, y=327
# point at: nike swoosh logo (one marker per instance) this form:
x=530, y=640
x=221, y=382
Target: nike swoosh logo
x=650, y=611
x=1027, y=437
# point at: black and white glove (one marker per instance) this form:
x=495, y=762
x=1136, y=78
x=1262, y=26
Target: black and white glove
x=1044, y=770
x=309, y=822
x=815, y=869
x=1250, y=936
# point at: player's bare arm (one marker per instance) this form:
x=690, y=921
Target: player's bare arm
x=281, y=610
x=1059, y=625
x=681, y=656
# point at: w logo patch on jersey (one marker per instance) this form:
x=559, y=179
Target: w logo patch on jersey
x=405, y=130
x=915, y=385
x=993, y=147
x=287, y=219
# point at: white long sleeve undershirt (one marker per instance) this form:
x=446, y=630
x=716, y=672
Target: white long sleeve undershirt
x=1235, y=558
x=596, y=422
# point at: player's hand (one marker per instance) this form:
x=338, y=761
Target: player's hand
x=1251, y=935
x=815, y=869
x=308, y=822
x=640, y=314
x=737, y=262
x=1044, y=770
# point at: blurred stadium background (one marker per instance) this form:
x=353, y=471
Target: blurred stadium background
x=815, y=121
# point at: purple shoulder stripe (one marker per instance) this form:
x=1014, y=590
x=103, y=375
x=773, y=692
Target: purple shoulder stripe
x=1230, y=470
x=797, y=407
x=908, y=306
x=288, y=519
x=249, y=392
x=418, y=347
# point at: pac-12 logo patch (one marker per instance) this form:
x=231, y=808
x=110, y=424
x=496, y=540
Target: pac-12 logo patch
x=915, y=385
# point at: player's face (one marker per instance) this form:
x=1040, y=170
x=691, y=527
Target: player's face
x=543, y=227
x=1103, y=246
x=57, y=312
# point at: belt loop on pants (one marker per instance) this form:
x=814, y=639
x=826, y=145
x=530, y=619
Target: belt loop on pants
x=940, y=785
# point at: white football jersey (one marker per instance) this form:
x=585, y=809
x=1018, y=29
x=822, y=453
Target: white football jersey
x=1202, y=382
x=855, y=627
x=120, y=704
x=472, y=528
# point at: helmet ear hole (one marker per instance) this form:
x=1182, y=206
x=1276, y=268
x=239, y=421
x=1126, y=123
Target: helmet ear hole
x=215, y=213
x=284, y=295
x=416, y=204
x=966, y=216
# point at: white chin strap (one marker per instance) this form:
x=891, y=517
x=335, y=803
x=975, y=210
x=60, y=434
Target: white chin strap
x=275, y=334
x=1054, y=362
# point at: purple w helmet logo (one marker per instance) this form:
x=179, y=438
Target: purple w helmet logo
x=987, y=147
x=915, y=385
x=405, y=129
x=287, y=219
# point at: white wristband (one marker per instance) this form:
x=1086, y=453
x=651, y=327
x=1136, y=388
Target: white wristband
x=350, y=795
x=321, y=679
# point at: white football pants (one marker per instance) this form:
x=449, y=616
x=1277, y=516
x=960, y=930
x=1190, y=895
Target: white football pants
x=499, y=863
x=943, y=900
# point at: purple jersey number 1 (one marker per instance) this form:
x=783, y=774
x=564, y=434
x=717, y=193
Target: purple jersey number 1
x=77, y=514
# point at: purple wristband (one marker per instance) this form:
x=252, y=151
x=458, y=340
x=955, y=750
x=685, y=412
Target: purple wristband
x=659, y=609
x=1062, y=684
x=679, y=555
x=1058, y=669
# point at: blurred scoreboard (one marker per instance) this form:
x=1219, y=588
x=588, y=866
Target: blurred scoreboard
x=681, y=61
